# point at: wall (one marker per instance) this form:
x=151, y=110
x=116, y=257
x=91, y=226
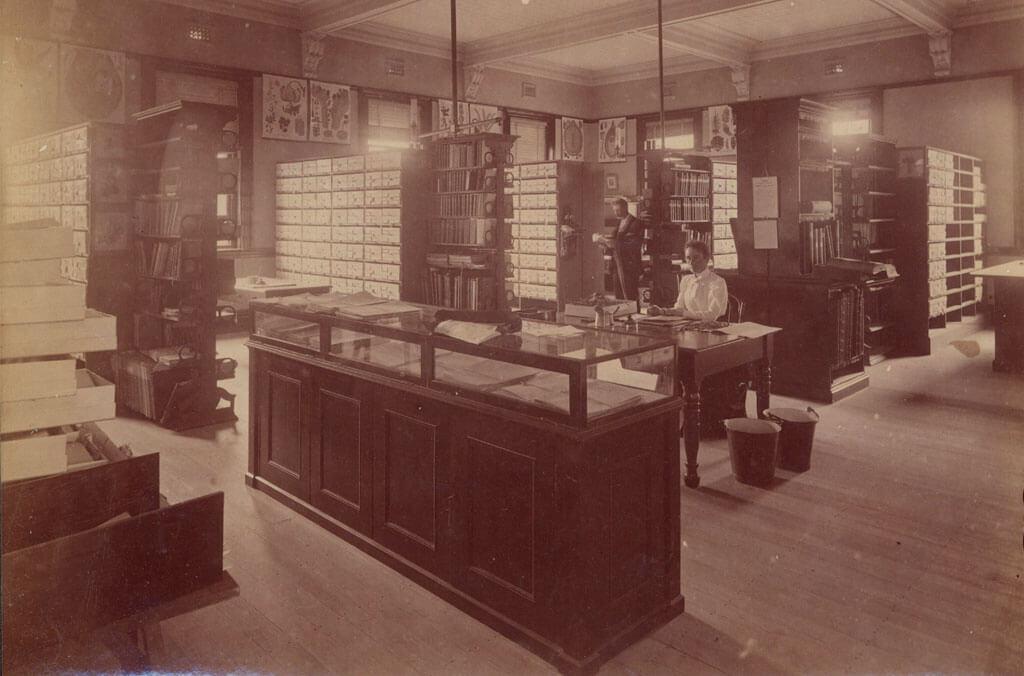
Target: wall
x=975, y=117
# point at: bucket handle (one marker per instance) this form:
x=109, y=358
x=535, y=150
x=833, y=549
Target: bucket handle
x=774, y=418
x=817, y=417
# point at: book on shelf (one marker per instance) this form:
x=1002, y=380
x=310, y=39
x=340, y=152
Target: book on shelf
x=459, y=288
x=465, y=180
x=462, y=154
x=472, y=231
x=690, y=183
x=167, y=259
x=689, y=209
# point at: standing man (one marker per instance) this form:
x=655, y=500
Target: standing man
x=702, y=295
x=626, y=244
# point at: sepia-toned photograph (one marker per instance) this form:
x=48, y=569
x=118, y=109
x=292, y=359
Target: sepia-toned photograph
x=512, y=337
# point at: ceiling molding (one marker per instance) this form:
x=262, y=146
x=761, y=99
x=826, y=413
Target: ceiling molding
x=835, y=38
x=394, y=38
x=264, y=11
x=327, y=16
x=990, y=12
x=644, y=71
x=591, y=26
x=702, y=43
x=924, y=14
x=551, y=71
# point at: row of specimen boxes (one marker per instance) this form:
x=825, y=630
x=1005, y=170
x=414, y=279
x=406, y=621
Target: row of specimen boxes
x=325, y=199
x=342, y=252
x=354, y=234
x=75, y=191
x=377, y=272
x=340, y=165
x=45, y=171
x=339, y=216
x=378, y=180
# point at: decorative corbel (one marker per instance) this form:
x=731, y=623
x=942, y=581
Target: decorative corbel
x=741, y=81
x=475, y=80
x=941, y=49
x=313, y=45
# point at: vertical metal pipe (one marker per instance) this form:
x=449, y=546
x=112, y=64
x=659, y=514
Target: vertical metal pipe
x=455, y=75
x=661, y=77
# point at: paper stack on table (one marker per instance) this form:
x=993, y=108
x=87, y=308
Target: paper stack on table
x=748, y=330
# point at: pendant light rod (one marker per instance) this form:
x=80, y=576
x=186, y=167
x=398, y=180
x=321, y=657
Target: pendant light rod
x=455, y=75
x=661, y=77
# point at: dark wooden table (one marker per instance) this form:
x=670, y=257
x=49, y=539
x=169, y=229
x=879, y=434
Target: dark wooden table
x=700, y=354
x=1008, y=321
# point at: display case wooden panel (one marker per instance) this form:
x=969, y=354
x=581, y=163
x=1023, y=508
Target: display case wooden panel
x=355, y=223
x=547, y=201
x=942, y=200
x=558, y=528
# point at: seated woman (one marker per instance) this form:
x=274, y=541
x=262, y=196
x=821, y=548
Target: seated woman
x=705, y=296
x=702, y=295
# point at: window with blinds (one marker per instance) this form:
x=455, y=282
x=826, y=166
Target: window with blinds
x=852, y=116
x=389, y=124
x=532, y=144
x=678, y=134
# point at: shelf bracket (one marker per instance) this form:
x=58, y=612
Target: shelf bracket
x=313, y=48
x=941, y=49
x=741, y=81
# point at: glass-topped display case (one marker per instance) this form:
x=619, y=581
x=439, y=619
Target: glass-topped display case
x=574, y=375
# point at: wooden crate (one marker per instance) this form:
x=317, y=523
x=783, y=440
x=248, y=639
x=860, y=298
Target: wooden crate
x=30, y=273
x=96, y=333
x=35, y=240
x=93, y=400
x=20, y=380
x=33, y=454
x=46, y=303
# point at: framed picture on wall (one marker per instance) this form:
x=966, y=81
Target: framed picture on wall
x=611, y=183
x=611, y=140
x=331, y=112
x=92, y=85
x=285, y=108
x=572, y=139
x=719, y=130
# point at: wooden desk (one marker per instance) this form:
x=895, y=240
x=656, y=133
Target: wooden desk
x=699, y=355
x=1009, y=314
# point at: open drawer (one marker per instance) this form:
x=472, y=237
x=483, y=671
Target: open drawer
x=92, y=400
x=83, y=549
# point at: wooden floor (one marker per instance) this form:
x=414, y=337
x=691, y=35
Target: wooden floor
x=900, y=551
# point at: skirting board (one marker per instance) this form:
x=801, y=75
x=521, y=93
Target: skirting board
x=32, y=455
x=30, y=273
x=96, y=333
x=22, y=380
x=47, y=303
x=94, y=400
x=35, y=240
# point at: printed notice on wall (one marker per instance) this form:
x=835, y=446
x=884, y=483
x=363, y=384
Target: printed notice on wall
x=766, y=196
x=766, y=234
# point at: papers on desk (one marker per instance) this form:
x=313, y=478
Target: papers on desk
x=662, y=320
x=470, y=332
x=381, y=310
x=613, y=372
x=747, y=330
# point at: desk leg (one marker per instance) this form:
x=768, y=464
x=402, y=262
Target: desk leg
x=764, y=387
x=691, y=432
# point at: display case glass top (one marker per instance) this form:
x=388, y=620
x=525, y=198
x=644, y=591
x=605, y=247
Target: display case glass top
x=572, y=374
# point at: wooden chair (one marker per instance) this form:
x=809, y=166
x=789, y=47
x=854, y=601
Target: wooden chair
x=734, y=310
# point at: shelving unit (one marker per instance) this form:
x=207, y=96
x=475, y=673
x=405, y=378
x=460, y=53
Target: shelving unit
x=469, y=178
x=866, y=169
x=171, y=375
x=355, y=223
x=544, y=260
x=941, y=197
x=820, y=352
x=77, y=176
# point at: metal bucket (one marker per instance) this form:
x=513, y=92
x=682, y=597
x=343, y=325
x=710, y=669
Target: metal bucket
x=753, y=446
x=796, y=438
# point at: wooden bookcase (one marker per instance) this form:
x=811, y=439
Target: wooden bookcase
x=942, y=201
x=544, y=261
x=171, y=375
x=78, y=177
x=356, y=223
x=820, y=352
x=469, y=178
x=866, y=169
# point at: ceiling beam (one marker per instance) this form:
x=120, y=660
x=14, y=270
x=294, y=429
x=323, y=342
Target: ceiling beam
x=326, y=16
x=589, y=26
x=922, y=13
x=697, y=42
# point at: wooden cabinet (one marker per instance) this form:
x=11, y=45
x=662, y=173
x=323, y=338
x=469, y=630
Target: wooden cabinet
x=284, y=393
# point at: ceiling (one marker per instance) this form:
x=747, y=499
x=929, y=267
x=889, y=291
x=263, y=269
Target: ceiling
x=603, y=41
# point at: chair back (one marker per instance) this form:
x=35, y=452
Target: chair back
x=734, y=310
